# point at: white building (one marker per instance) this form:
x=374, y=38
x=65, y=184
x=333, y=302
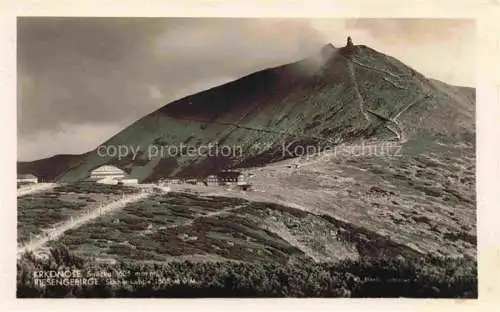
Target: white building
x=107, y=180
x=128, y=181
x=112, y=175
x=26, y=178
x=107, y=172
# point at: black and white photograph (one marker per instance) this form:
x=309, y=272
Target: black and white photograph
x=217, y=157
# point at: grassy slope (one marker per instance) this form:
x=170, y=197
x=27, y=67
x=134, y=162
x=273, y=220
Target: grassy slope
x=182, y=225
x=44, y=210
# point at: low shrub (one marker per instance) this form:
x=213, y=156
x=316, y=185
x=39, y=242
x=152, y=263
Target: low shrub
x=424, y=278
x=89, y=188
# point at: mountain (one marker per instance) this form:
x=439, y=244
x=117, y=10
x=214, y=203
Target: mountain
x=342, y=95
x=48, y=169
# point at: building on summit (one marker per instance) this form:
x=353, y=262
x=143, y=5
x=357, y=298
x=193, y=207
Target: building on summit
x=349, y=42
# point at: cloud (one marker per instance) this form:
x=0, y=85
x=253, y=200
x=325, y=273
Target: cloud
x=73, y=139
x=155, y=93
x=94, y=70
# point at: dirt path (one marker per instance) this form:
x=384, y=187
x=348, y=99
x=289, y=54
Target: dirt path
x=75, y=222
x=350, y=68
x=35, y=188
x=375, y=69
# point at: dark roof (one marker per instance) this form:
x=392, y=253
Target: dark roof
x=228, y=173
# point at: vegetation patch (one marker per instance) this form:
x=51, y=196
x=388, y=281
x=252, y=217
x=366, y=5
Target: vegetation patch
x=388, y=278
x=36, y=212
x=90, y=187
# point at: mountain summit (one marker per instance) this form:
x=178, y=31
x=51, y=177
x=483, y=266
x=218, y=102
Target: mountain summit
x=340, y=95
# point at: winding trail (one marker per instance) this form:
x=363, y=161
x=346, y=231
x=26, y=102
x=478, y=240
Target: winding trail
x=239, y=126
x=399, y=132
x=376, y=69
x=395, y=84
x=75, y=222
x=358, y=93
x=425, y=98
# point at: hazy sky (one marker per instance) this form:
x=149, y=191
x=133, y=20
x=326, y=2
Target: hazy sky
x=82, y=80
